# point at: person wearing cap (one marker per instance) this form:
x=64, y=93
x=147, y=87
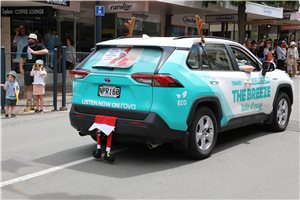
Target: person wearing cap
x=12, y=91
x=39, y=73
x=32, y=52
x=293, y=50
x=280, y=55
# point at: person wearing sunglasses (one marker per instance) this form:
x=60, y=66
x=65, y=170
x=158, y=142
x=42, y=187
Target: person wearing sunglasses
x=32, y=52
x=20, y=40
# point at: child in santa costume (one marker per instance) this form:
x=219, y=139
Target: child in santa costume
x=106, y=125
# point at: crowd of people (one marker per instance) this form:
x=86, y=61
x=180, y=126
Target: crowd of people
x=286, y=57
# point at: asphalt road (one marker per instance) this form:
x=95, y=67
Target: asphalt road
x=43, y=157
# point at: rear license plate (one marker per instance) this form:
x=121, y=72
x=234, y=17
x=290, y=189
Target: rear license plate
x=109, y=91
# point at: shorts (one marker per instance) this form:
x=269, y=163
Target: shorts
x=27, y=78
x=38, y=89
x=69, y=65
x=288, y=68
x=10, y=102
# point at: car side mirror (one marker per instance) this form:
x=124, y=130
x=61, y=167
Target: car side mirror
x=267, y=67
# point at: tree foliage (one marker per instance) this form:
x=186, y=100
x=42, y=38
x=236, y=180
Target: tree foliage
x=242, y=8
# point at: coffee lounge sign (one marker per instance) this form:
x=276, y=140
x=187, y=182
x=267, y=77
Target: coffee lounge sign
x=25, y=11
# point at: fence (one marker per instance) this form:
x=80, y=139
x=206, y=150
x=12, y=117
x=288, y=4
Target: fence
x=9, y=60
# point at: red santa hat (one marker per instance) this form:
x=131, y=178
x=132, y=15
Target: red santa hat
x=126, y=51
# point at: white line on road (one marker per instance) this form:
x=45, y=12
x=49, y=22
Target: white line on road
x=53, y=169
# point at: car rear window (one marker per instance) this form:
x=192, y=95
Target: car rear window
x=129, y=60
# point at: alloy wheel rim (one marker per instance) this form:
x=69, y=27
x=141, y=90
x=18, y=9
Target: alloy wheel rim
x=204, y=133
x=282, y=112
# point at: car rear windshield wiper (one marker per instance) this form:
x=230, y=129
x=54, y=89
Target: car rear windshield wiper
x=104, y=67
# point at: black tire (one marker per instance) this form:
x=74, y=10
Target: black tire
x=201, y=145
x=281, y=113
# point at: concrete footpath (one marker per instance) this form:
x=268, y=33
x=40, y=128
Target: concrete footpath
x=48, y=101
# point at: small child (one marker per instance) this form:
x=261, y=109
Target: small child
x=12, y=89
x=270, y=57
x=39, y=73
x=290, y=62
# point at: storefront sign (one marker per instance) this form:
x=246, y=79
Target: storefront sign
x=148, y=17
x=57, y=2
x=221, y=18
x=285, y=17
x=190, y=20
x=267, y=11
x=127, y=7
x=294, y=27
x=26, y=11
x=258, y=22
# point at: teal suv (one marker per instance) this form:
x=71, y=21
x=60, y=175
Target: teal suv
x=178, y=90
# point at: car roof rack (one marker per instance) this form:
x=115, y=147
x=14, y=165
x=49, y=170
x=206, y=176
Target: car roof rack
x=198, y=36
x=133, y=36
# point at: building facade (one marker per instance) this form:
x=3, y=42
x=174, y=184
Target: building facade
x=54, y=21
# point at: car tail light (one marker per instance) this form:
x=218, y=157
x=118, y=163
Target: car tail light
x=135, y=122
x=157, y=80
x=78, y=74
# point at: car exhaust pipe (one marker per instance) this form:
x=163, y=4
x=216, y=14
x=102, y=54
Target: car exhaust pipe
x=81, y=134
x=152, y=146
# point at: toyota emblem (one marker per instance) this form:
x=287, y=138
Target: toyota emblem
x=107, y=80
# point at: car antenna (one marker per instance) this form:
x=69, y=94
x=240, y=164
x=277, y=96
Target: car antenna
x=200, y=26
x=130, y=27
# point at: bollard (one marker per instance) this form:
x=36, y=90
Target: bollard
x=55, y=81
x=63, y=106
x=2, y=78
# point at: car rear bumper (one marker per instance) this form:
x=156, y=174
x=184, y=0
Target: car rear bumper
x=153, y=129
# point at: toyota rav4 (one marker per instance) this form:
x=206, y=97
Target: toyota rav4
x=178, y=90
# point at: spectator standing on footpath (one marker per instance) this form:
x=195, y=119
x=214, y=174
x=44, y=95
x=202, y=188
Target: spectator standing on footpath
x=39, y=73
x=12, y=92
x=293, y=50
x=260, y=52
x=269, y=55
x=267, y=48
x=280, y=55
x=20, y=40
x=254, y=50
x=34, y=51
x=290, y=63
x=70, y=57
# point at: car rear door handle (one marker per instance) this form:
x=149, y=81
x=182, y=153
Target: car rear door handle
x=214, y=82
x=248, y=83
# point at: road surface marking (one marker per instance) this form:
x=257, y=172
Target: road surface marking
x=53, y=169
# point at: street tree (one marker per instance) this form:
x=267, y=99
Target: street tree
x=242, y=11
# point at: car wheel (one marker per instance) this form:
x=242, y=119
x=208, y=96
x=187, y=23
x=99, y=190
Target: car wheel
x=281, y=113
x=202, y=134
